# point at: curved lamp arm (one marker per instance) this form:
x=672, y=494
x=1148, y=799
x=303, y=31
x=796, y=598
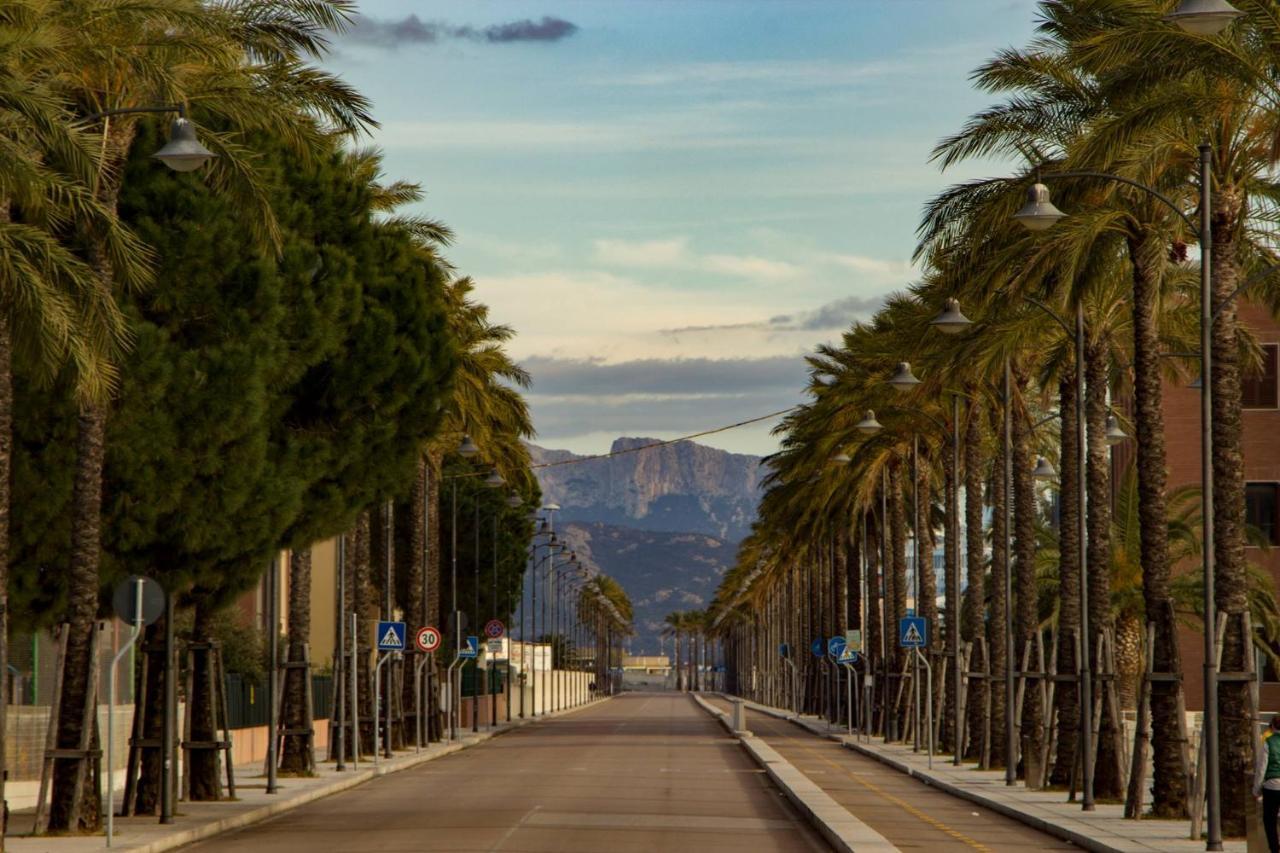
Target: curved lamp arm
x=1107, y=176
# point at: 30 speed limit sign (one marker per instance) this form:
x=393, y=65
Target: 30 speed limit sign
x=427, y=639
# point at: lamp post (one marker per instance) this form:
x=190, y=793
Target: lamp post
x=950, y=321
x=1040, y=214
x=182, y=153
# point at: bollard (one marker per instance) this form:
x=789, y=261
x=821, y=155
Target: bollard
x=739, y=717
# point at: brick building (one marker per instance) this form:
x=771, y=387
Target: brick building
x=1262, y=474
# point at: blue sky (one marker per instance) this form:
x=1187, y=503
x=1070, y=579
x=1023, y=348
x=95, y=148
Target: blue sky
x=673, y=200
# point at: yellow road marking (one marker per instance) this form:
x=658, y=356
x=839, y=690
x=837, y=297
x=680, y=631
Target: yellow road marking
x=897, y=801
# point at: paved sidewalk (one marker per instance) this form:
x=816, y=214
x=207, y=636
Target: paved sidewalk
x=1104, y=830
x=199, y=821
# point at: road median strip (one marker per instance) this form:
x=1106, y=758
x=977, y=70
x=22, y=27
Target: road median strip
x=838, y=826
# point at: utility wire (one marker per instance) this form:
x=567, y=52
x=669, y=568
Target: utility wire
x=578, y=459
x=669, y=441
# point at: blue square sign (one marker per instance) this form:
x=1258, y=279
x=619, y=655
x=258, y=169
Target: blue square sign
x=913, y=632
x=391, y=636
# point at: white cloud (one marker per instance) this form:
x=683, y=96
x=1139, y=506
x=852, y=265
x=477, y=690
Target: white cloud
x=871, y=266
x=675, y=254
x=774, y=74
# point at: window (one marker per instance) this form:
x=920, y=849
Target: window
x=1261, y=503
x=1259, y=389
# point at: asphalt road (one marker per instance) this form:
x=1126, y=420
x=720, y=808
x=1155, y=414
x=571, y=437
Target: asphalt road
x=643, y=772
x=906, y=811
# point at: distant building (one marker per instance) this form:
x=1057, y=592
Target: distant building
x=647, y=664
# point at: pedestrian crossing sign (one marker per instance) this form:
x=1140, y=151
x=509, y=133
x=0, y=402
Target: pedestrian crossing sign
x=913, y=632
x=847, y=655
x=391, y=636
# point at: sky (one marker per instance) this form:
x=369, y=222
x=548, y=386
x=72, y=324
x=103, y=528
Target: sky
x=672, y=201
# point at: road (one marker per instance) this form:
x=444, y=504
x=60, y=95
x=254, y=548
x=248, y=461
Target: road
x=643, y=772
x=906, y=811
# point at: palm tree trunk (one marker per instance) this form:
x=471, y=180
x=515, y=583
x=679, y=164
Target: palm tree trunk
x=975, y=588
x=1027, y=611
x=6, y=456
x=998, y=616
x=365, y=603
x=1066, y=696
x=1108, y=780
x=86, y=549
x=298, y=756
x=1235, y=723
x=435, y=599
x=411, y=570
x=951, y=580
x=81, y=618
x=871, y=631
x=1169, y=776
x=898, y=526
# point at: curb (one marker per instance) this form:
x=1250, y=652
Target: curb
x=837, y=824
x=1079, y=839
x=183, y=838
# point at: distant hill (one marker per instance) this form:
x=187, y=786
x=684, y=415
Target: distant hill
x=682, y=487
x=661, y=571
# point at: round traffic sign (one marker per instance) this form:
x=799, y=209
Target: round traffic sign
x=494, y=629
x=427, y=639
x=835, y=646
x=816, y=647
x=125, y=600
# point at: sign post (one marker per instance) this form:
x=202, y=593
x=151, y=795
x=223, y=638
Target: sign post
x=913, y=634
x=391, y=642
x=138, y=601
x=427, y=640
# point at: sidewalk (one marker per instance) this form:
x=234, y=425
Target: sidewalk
x=1104, y=830
x=199, y=821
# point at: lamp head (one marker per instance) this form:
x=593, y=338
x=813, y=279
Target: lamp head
x=1038, y=214
x=514, y=501
x=1043, y=470
x=952, y=320
x=841, y=458
x=183, y=152
x=903, y=379
x=467, y=447
x=868, y=425
x=1115, y=432
x=494, y=480
x=1203, y=17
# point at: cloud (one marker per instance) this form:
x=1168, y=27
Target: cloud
x=653, y=377
x=839, y=314
x=675, y=254
x=412, y=30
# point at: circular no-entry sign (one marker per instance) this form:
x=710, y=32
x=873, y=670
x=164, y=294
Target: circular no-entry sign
x=427, y=639
x=494, y=629
x=125, y=600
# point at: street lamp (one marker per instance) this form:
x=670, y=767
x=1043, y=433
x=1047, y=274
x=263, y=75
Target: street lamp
x=468, y=447
x=1038, y=214
x=494, y=480
x=1188, y=12
x=841, y=458
x=952, y=320
x=1203, y=17
x=1043, y=470
x=1115, y=432
x=903, y=379
x=868, y=425
x=183, y=152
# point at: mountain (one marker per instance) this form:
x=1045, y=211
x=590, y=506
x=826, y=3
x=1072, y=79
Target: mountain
x=663, y=521
x=681, y=487
x=661, y=571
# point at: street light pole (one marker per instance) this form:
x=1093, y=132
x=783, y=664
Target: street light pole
x=1010, y=741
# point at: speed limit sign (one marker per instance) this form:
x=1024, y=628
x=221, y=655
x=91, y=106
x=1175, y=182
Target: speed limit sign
x=427, y=639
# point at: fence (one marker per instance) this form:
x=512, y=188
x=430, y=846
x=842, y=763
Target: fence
x=247, y=702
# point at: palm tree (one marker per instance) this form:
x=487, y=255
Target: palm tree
x=241, y=65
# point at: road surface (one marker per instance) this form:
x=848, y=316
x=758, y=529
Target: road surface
x=642, y=772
